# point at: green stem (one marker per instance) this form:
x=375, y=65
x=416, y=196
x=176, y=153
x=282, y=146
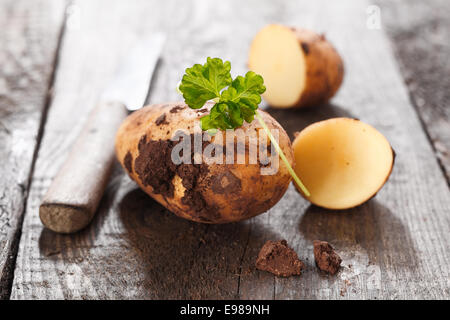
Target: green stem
x=178, y=88
x=282, y=156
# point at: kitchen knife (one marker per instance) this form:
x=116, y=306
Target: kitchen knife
x=73, y=197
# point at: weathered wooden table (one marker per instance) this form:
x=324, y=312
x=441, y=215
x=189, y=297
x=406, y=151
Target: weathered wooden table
x=55, y=59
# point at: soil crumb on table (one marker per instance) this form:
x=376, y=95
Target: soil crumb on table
x=276, y=257
x=326, y=258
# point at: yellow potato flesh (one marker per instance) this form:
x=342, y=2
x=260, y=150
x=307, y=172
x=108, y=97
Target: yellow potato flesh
x=343, y=162
x=276, y=55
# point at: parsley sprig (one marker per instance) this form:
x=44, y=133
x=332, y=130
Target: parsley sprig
x=235, y=100
x=234, y=105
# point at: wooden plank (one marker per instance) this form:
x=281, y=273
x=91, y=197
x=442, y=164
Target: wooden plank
x=118, y=257
x=397, y=244
x=420, y=39
x=29, y=37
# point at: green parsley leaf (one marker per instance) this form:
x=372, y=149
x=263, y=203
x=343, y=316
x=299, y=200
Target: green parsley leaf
x=222, y=116
x=233, y=105
x=205, y=82
x=246, y=89
x=246, y=93
x=236, y=103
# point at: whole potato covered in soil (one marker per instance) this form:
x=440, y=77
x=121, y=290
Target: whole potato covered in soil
x=203, y=192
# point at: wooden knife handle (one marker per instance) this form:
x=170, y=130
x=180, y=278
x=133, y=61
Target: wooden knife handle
x=74, y=195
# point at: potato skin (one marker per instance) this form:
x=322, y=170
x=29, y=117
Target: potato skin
x=324, y=68
x=215, y=193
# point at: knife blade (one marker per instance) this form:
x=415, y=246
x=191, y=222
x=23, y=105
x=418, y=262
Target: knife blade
x=133, y=77
x=74, y=195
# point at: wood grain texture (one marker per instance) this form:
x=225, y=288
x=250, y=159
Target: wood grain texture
x=395, y=246
x=73, y=197
x=29, y=35
x=420, y=39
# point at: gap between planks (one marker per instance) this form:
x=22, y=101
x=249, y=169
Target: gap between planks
x=7, y=275
x=43, y=120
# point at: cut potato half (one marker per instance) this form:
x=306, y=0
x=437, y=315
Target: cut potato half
x=343, y=162
x=300, y=67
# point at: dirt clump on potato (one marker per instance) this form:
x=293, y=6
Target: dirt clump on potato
x=190, y=175
x=161, y=120
x=127, y=162
x=177, y=108
x=278, y=258
x=155, y=168
x=326, y=258
x=225, y=183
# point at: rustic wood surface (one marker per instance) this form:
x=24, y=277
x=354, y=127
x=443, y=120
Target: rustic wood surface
x=75, y=193
x=29, y=35
x=395, y=246
x=422, y=46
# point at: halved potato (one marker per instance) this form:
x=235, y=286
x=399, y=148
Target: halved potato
x=300, y=67
x=343, y=162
